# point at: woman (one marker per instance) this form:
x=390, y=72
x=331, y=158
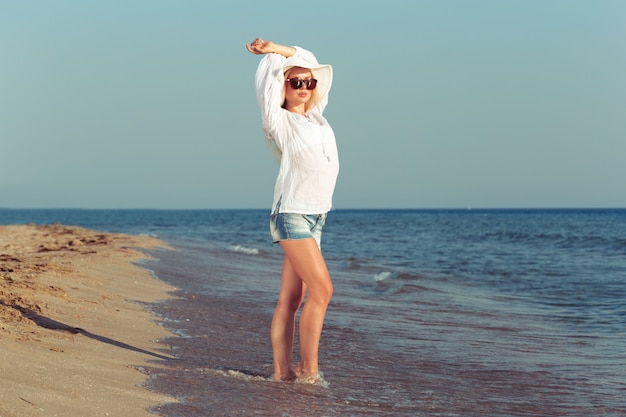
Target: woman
x=292, y=91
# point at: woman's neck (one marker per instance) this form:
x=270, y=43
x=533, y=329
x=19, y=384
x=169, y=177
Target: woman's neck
x=300, y=109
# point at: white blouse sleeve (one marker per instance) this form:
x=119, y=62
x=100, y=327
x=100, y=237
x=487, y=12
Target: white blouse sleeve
x=269, y=92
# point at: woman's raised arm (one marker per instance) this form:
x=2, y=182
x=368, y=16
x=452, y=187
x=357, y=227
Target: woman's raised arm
x=260, y=47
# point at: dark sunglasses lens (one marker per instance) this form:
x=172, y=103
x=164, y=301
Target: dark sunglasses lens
x=310, y=84
x=295, y=83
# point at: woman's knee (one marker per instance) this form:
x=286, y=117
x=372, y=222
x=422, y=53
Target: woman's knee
x=322, y=293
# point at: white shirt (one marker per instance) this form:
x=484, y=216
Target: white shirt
x=309, y=163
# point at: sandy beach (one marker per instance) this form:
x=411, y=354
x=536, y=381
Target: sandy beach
x=75, y=333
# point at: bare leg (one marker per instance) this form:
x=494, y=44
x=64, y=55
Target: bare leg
x=292, y=291
x=307, y=262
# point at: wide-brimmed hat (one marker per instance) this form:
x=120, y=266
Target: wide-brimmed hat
x=323, y=73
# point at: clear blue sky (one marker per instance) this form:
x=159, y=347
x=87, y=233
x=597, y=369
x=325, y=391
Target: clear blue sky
x=435, y=104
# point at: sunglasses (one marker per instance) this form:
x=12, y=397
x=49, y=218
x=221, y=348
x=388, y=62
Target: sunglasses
x=297, y=83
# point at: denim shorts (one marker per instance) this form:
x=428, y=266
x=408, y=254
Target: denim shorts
x=292, y=226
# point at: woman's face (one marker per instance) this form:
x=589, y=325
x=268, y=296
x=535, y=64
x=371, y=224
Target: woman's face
x=301, y=96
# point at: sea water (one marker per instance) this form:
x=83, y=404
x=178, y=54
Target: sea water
x=435, y=312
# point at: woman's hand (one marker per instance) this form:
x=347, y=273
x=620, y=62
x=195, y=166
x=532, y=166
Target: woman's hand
x=260, y=47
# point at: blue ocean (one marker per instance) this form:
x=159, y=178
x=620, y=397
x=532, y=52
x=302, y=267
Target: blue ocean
x=435, y=312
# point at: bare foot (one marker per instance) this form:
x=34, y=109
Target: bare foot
x=315, y=378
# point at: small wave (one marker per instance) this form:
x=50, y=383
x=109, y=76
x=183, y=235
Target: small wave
x=248, y=375
x=243, y=249
x=400, y=283
x=401, y=276
x=235, y=373
x=382, y=276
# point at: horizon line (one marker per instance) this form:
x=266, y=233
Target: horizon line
x=333, y=209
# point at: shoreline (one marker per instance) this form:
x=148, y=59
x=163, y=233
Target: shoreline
x=75, y=330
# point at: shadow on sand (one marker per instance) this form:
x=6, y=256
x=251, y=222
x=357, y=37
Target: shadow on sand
x=48, y=323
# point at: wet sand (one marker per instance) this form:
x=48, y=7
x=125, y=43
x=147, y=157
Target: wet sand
x=75, y=333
